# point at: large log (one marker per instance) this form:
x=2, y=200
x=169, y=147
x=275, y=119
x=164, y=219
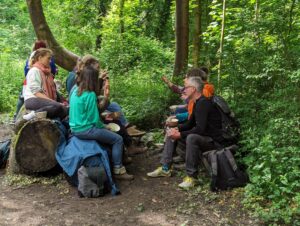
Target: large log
x=33, y=147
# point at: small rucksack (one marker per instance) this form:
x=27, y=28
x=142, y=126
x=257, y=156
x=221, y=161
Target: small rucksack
x=91, y=181
x=230, y=125
x=224, y=171
x=4, y=152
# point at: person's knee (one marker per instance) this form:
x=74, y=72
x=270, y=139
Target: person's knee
x=115, y=107
x=118, y=138
x=193, y=138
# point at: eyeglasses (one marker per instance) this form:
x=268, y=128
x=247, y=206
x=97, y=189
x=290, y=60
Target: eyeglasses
x=186, y=87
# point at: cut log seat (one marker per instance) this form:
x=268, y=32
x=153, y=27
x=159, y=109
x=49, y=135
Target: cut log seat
x=33, y=147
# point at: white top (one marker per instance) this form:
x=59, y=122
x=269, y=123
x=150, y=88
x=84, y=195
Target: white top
x=33, y=83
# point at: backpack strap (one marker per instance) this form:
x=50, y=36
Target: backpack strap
x=214, y=163
x=230, y=158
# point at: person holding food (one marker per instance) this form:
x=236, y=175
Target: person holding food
x=85, y=122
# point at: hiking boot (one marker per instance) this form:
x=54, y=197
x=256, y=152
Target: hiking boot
x=159, y=172
x=133, y=132
x=133, y=150
x=188, y=182
x=121, y=174
x=179, y=166
x=178, y=159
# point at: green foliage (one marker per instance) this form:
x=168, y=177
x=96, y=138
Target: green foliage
x=75, y=24
x=11, y=81
x=128, y=58
x=260, y=74
x=260, y=78
x=123, y=52
x=16, y=32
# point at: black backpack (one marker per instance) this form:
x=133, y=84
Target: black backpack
x=224, y=171
x=230, y=125
x=91, y=181
x=4, y=152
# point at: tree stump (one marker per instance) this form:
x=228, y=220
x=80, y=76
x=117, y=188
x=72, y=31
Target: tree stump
x=33, y=147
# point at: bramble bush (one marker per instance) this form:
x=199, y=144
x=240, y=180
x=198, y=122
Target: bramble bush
x=271, y=150
x=136, y=65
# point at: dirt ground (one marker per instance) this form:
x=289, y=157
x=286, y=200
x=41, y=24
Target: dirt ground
x=143, y=201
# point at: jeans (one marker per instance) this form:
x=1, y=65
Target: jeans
x=195, y=145
x=106, y=137
x=127, y=140
x=115, y=107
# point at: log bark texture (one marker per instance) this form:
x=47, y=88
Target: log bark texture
x=33, y=147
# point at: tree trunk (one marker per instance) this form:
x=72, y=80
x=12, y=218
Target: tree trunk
x=207, y=18
x=221, y=45
x=121, y=15
x=63, y=57
x=165, y=15
x=182, y=36
x=197, y=34
x=34, y=146
x=101, y=14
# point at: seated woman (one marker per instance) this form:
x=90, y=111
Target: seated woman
x=126, y=131
x=39, y=91
x=107, y=105
x=85, y=122
x=37, y=45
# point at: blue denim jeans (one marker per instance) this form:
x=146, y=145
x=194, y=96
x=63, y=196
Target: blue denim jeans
x=115, y=107
x=106, y=137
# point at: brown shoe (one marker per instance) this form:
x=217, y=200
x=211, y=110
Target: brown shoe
x=134, y=150
x=121, y=174
x=133, y=132
x=124, y=176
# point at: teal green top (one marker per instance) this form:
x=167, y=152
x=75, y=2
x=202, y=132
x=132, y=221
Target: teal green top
x=83, y=113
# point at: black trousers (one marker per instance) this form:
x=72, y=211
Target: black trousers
x=53, y=108
x=194, y=145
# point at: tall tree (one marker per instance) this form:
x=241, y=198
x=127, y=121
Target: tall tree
x=102, y=11
x=63, y=57
x=197, y=33
x=221, y=44
x=165, y=15
x=121, y=16
x=182, y=36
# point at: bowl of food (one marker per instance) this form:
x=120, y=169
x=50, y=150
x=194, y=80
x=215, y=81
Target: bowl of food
x=172, y=122
x=173, y=108
x=113, y=127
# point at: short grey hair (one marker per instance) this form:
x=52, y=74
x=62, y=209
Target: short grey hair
x=197, y=83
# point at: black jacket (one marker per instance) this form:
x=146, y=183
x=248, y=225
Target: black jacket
x=205, y=120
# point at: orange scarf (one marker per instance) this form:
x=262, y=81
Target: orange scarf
x=48, y=84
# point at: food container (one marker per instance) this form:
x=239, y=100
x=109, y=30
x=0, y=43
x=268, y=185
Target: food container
x=173, y=122
x=113, y=127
